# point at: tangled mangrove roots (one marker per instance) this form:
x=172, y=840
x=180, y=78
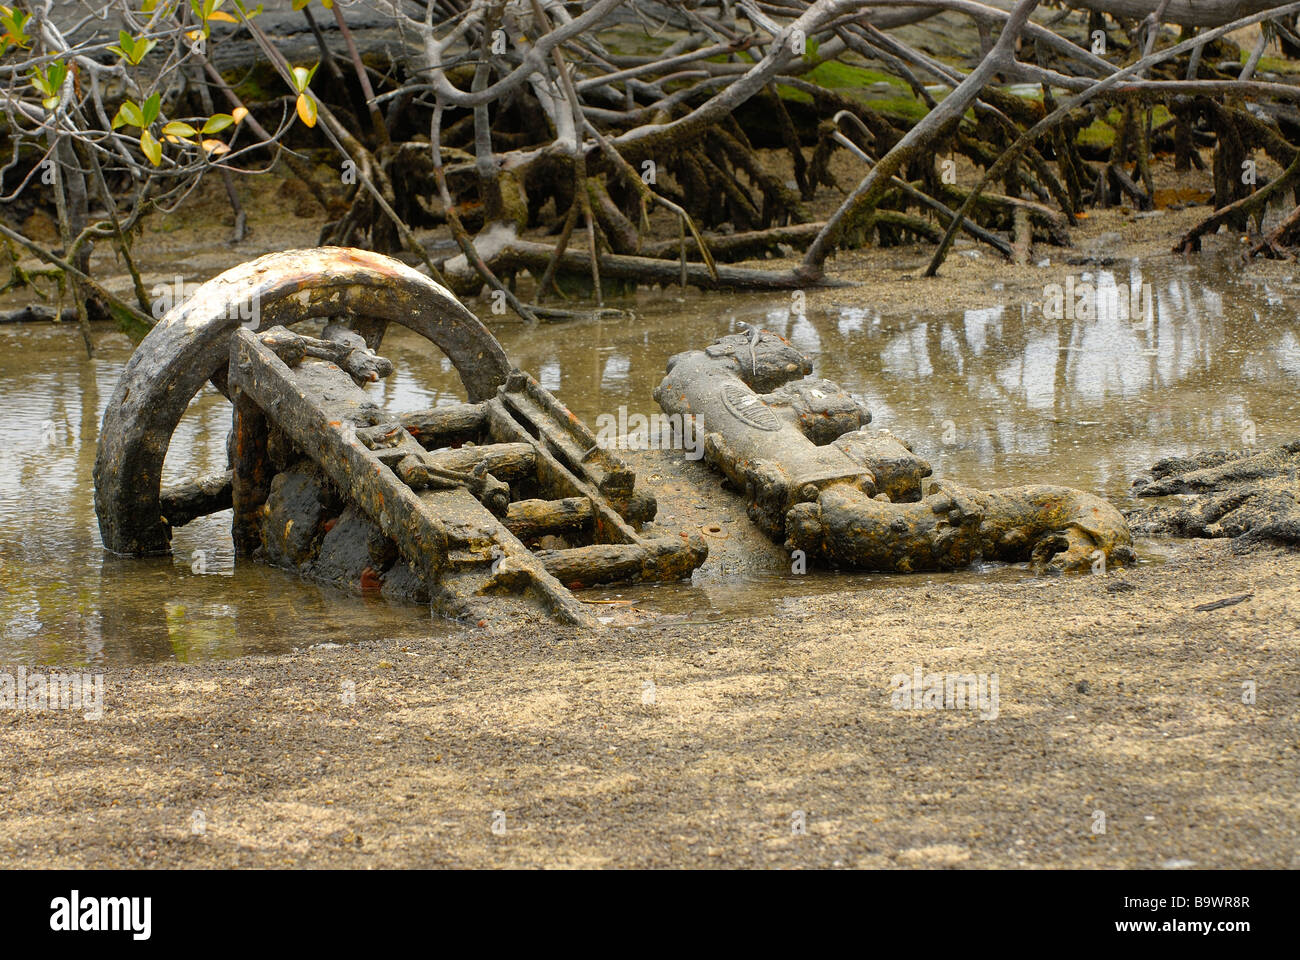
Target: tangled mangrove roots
x=1251, y=496
x=609, y=138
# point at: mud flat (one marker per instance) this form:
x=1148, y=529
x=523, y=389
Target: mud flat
x=695, y=744
x=694, y=738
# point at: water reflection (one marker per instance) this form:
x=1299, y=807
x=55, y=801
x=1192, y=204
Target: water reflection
x=995, y=395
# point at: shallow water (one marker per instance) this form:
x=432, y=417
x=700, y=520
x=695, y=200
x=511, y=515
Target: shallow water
x=990, y=397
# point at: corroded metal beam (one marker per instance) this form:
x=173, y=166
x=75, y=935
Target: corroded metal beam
x=815, y=480
x=453, y=542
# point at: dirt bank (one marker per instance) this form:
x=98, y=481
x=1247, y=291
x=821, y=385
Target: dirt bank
x=1115, y=694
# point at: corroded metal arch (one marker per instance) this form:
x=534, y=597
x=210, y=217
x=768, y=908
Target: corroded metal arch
x=191, y=345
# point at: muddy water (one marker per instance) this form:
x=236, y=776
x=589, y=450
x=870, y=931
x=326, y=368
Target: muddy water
x=990, y=396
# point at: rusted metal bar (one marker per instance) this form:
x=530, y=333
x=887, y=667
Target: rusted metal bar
x=251, y=474
x=530, y=519
x=652, y=561
x=417, y=472
x=446, y=426
x=197, y=498
x=509, y=461
x=459, y=548
x=339, y=345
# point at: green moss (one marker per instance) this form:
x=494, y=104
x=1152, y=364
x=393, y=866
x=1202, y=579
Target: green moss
x=904, y=106
x=1272, y=64
x=848, y=79
x=129, y=324
x=908, y=108
x=834, y=75
x=1101, y=132
x=1159, y=116
x=795, y=96
x=1097, y=134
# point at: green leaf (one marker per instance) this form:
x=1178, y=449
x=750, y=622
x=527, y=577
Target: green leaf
x=142, y=48
x=150, y=147
x=128, y=115
x=217, y=122
x=301, y=77
x=39, y=81
x=49, y=103
x=178, y=128
x=150, y=109
x=49, y=80
x=13, y=21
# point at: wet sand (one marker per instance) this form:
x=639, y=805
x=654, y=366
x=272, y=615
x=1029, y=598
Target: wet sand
x=696, y=746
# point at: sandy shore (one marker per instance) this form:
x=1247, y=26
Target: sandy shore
x=696, y=746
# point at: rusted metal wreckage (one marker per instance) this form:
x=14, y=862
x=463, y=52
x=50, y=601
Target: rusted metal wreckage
x=496, y=507
x=814, y=476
